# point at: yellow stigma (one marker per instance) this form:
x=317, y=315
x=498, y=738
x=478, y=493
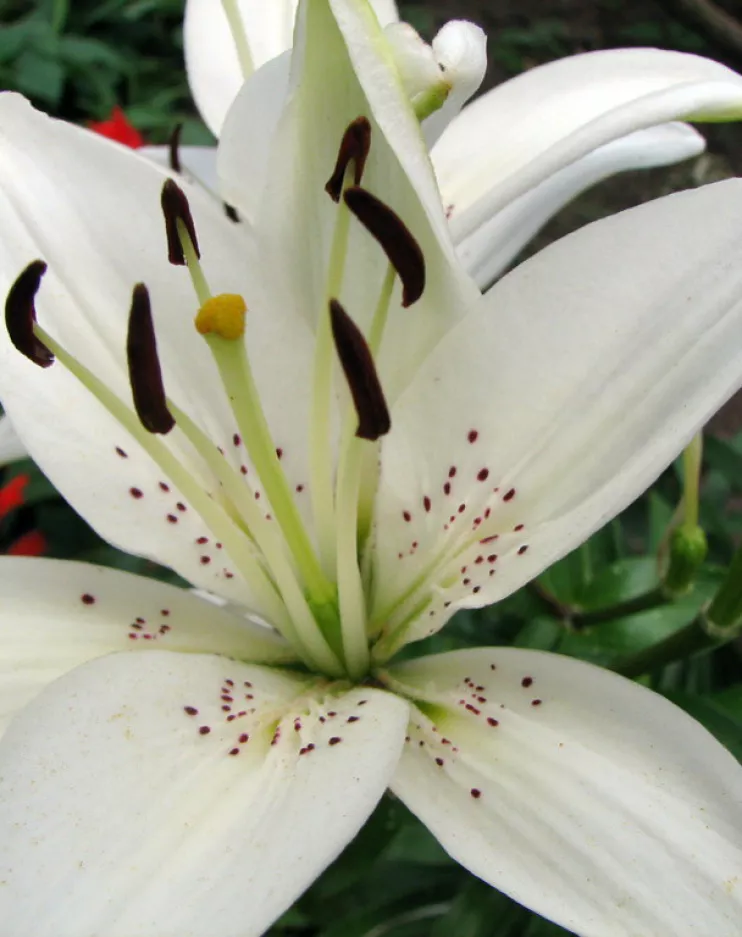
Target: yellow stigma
x=222, y=315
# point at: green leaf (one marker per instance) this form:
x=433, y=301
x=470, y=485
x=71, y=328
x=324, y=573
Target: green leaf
x=719, y=721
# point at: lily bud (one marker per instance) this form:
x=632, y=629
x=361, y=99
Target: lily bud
x=688, y=549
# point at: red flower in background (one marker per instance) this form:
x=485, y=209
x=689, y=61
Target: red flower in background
x=117, y=127
x=12, y=497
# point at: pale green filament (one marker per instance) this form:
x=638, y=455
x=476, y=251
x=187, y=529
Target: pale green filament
x=201, y=287
x=320, y=441
x=237, y=545
x=350, y=586
x=239, y=36
x=241, y=496
x=234, y=367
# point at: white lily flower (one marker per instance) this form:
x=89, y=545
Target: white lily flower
x=510, y=160
x=171, y=768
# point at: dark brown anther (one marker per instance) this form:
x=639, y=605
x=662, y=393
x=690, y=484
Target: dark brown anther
x=145, y=373
x=354, y=148
x=398, y=244
x=20, y=315
x=176, y=209
x=174, y=148
x=360, y=373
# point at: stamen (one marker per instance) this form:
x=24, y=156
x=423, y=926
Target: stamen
x=20, y=315
x=174, y=148
x=222, y=315
x=145, y=372
x=354, y=148
x=360, y=372
x=176, y=209
x=396, y=241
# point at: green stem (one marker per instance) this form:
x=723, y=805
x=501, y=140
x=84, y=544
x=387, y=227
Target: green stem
x=641, y=603
x=698, y=636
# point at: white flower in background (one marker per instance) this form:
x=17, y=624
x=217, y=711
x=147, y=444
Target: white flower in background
x=510, y=160
x=352, y=444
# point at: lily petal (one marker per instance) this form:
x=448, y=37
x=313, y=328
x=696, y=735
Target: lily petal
x=214, y=72
x=198, y=163
x=582, y=795
x=85, y=611
x=11, y=448
x=517, y=135
x=581, y=375
x=342, y=71
x=487, y=253
x=124, y=811
x=106, y=199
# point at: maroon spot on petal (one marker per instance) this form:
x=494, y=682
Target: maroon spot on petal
x=121, y=453
x=202, y=540
x=234, y=751
x=483, y=475
x=452, y=472
x=279, y=453
x=462, y=508
x=447, y=488
x=475, y=793
x=236, y=439
x=191, y=710
x=244, y=738
x=489, y=539
x=509, y=495
x=522, y=550
x=335, y=740
x=172, y=519
x=426, y=503
x=439, y=762
x=204, y=730
x=136, y=492
x=243, y=469
x=205, y=560
x=353, y=718
x=518, y=527
x=164, y=486
x=492, y=722
x=476, y=589
x=492, y=558
x=536, y=702
x=526, y=681
x=407, y=516
x=473, y=435
x=87, y=599
x=165, y=612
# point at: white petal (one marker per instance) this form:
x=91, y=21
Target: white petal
x=517, y=135
x=56, y=615
x=581, y=375
x=120, y=816
x=488, y=252
x=461, y=50
x=341, y=71
x=198, y=163
x=243, y=166
x=91, y=209
x=214, y=71
x=11, y=448
x=583, y=796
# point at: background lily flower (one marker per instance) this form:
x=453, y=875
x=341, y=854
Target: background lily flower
x=519, y=153
x=171, y=767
